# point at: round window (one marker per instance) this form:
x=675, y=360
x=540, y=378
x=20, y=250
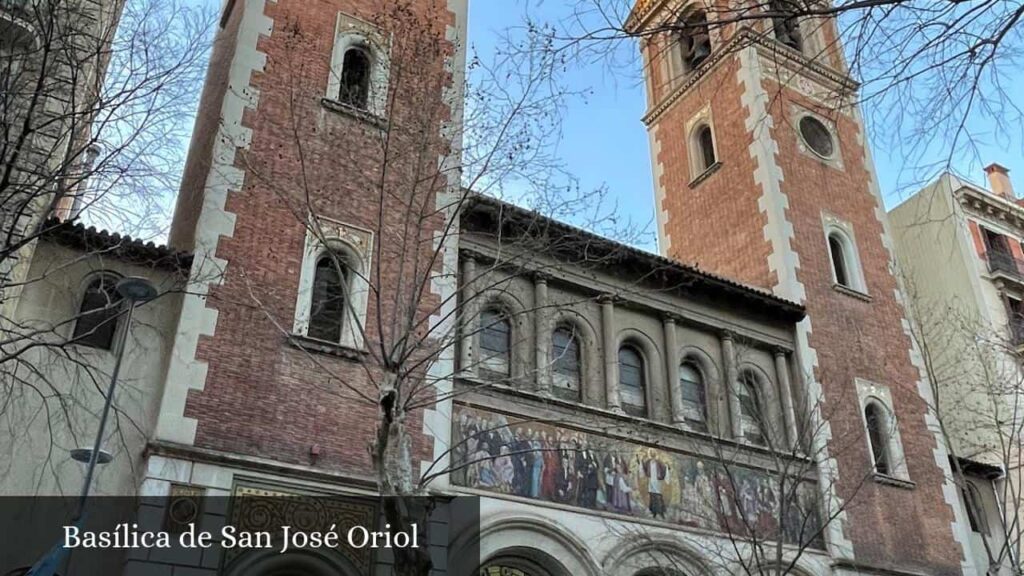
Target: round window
x=817, y=136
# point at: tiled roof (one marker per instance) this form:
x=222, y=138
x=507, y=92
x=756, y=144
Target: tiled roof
x=91, y=239
x=714, y=282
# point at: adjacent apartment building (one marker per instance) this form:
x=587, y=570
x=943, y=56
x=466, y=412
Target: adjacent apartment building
x=959, y=247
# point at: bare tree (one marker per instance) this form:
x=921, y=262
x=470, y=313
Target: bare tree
x=934, y=78
x=93, y=100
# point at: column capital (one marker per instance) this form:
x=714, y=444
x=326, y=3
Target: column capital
x=540, y=277
x=780, y=351
x=671, y=318
x=607, y=298
x=726, y=334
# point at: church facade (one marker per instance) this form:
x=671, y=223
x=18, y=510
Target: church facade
x=750, y=401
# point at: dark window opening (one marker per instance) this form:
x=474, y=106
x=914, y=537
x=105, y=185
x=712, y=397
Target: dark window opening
x=975, y=509
x=565, y=360
x=694, y=39
x=751, y=413
x=878, y=436
x=632, y=382
x=98, y=314
x=785, y=25
x=691, y=384
x=355, y=78
x=817, y=136
x=496, y=342
x=839, y=265
x=327, y=309
x=706, y=143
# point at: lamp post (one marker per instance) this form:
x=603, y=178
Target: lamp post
x=135, y=291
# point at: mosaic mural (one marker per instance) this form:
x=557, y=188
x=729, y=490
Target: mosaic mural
x=496, y=453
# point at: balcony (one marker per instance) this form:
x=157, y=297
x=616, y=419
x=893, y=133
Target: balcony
x=16, y=17
x=1005, y=267
x=1017, y=331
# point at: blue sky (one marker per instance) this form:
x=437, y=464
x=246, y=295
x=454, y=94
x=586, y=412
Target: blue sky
x=604, y=142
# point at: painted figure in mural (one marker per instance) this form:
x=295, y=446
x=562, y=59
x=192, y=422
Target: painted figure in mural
x=537, y=466
x=623, y=499
x=560, y=465
x=504, y=470
x=658, y=473
x=587, y=477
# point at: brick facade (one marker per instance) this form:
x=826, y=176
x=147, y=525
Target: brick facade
x=295, y=155
x=759, y=217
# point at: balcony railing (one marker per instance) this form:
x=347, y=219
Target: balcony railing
x=1005, y=264
x=1017, y=330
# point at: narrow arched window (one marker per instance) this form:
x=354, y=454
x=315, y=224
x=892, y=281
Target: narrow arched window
x=691, y=384
x=840, y=266
x=694, y=39
x=705, y=147
x=878, y=437
x=751, y=410
x=565, y=363
x=632, y=381
x=355, y=77
x=975, y=508
x=327, y=305
x=98, y=313
x=495, y=343
x=784, y=23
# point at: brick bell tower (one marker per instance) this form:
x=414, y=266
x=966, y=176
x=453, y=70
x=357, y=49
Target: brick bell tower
x=317, y=125
x=762, y=173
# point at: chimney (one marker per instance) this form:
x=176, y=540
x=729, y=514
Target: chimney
x=999, y=180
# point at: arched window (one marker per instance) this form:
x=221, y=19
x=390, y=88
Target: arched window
x=975, y=507
x=98, y=313
x=565, y=363
x=704, y=148
x=495, y=342
x=327, y=305
x=691, y=384
x=694, y=39
x=840, y=268
x=878, y=437
x=784, y=24
x=751, y=410
x=355, y=77
x=632, y=381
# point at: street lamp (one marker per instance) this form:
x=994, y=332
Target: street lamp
x=135, y=291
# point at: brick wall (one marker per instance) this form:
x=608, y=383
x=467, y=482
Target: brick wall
x=721, y=224
x=262, y=396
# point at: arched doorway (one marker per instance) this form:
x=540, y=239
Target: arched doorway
x=512, y=566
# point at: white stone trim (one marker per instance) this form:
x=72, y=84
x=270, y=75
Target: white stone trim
x=184, y=371
x=833, y=225
x=960, y=526
x=348, y=32
x=703, y=117
x=871, y=392
x=797, y=114
x=660, y=212
x=784, y=261
x=437, y=420
x=354, y=245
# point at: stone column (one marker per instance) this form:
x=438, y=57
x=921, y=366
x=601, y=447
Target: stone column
x=731, y=382
x=467, y=316
x=672, y=368
x=542, y=333
x=611, y=354
x=786, y=394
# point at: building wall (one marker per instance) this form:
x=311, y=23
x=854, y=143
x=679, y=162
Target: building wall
x=56, y=407
x=240, y=384
x=776, y=207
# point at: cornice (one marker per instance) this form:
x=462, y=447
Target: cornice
x=985, y=204
x=791, y=59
